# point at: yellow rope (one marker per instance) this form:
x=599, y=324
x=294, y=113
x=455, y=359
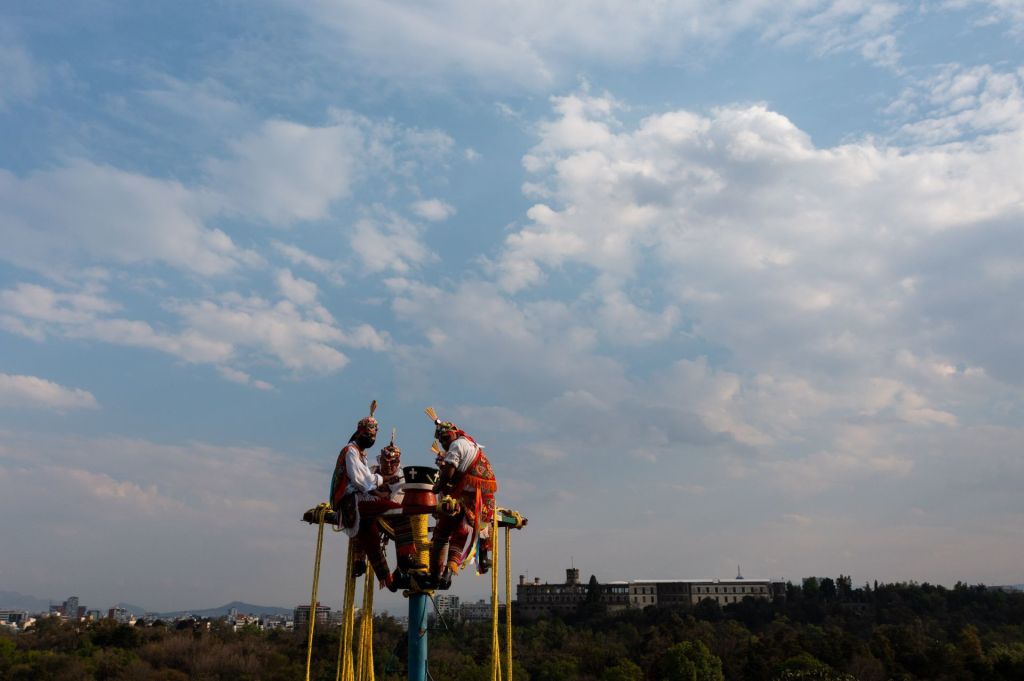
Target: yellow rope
x=364, y=666
x=319, y=513
x=344, y=663
x=508, y=600
x=495, y=643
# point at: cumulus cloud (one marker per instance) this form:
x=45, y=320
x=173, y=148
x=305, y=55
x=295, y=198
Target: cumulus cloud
x=32, y=391
x=805, y=319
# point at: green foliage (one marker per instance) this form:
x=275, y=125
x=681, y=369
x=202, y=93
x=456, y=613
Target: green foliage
x=891, y=632
x=623, y=670
x=689, y=661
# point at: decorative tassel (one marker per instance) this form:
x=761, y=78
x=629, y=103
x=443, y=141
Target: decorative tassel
x=373, y=408
x=431, y=413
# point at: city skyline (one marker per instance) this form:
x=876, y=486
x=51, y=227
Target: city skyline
x=713, y=283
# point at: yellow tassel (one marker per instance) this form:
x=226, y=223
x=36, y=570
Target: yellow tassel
x=373, y=408
x=431, y=413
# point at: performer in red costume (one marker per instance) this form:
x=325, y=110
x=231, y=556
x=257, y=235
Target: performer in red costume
x=359, y=496
x=466, y=486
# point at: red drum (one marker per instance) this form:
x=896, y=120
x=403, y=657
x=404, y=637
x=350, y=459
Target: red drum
x=419, y=490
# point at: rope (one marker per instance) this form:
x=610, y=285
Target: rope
x=508, y=600
x=344, y=663
x=364, y=666
x=495, y=643
x=319, y=513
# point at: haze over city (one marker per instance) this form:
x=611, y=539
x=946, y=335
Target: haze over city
x=713, y=283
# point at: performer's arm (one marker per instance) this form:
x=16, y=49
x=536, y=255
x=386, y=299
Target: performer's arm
x=359, y=474
x=446, y=480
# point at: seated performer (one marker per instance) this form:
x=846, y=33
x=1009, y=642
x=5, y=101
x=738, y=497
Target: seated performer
x=468, y=482
x=359, y=496
x=389, y=463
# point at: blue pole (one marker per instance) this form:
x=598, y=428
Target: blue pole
x=418, y=636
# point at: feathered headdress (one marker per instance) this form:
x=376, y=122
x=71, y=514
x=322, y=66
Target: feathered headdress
x=391, y=453
x=368, y=424
x=439, y=425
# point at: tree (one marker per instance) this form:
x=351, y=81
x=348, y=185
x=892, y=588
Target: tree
x=623, y=670
x=689, y=661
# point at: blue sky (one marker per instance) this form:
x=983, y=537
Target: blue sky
x=715, y=283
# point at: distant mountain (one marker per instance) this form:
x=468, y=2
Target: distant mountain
x=16, y=601
x=222, y=611
x=1012, y=587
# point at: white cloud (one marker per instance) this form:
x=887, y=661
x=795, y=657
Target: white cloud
x=533, y=46
x=434, y=210
x=297, y=256
x=232, y=328
x=962, y=101
x=286, y=172
x=108, y=215
x=21, y=78
x=238, y=376
x=387, y=242
x=31, y=391
x=299, y=291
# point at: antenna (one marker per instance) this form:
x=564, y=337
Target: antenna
x=739, y=573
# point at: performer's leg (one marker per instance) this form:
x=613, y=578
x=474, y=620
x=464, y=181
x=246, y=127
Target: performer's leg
x=446, y=524
x=457, y=544
x=358, y=559
x=487, y=510
x=369, y=536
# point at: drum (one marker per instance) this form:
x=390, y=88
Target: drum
x=419, y=490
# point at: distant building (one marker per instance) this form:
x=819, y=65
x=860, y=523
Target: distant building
x=120, y=615
x=615, y=595
x=480, y=611
x=447, y=606
x=70, y=609
x=301, y=617
x=13, y=617
x=534, y=599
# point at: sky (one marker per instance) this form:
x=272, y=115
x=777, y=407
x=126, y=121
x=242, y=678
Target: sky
x=714, y=283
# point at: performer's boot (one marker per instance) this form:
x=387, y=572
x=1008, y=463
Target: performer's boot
x=484, y=561
x=358, y=567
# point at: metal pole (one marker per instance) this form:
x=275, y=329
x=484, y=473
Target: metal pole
x=418, y=636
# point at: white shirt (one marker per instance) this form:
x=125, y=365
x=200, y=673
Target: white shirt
x=461, y=454
x=360, y=477
x=397, y=493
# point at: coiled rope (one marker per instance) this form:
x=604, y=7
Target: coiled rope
x=364, y=663
x=319, y=514
x=343, y=666
x=496, y=657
